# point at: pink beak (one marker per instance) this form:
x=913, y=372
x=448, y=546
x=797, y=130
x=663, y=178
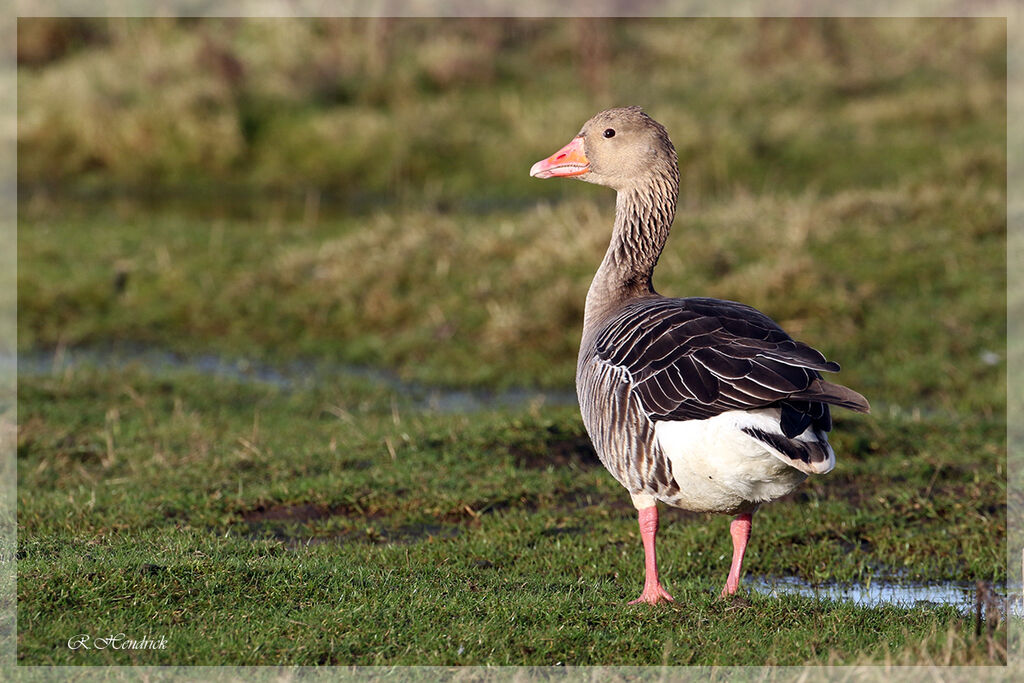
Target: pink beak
x=568, y=161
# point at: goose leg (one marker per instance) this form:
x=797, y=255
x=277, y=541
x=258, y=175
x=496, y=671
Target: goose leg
x=739, y=529
x=653, y=590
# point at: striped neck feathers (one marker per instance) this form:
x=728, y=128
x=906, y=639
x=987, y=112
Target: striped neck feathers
x=643, y=218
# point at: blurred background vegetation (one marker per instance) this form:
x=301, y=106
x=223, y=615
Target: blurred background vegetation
x=357, y=190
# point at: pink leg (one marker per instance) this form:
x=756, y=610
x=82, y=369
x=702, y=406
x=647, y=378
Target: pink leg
x=739, y=529
x=653, y=591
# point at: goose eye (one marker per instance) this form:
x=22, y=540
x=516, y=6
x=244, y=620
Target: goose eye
x=609, y=133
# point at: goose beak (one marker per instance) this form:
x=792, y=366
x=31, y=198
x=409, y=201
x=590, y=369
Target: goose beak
x=568, y=161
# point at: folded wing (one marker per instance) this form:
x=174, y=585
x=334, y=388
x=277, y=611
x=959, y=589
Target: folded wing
x=696, y=358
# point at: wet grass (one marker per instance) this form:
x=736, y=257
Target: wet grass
x=253, y=525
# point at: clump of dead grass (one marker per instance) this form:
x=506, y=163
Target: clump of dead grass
x=142, y=110
x=505, y=291
x=489, y=283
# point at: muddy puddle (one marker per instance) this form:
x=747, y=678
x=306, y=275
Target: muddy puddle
x=291, y=376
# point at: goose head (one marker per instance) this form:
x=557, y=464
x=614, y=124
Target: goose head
x=621, y=148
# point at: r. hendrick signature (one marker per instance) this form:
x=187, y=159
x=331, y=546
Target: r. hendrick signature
x=120, y=641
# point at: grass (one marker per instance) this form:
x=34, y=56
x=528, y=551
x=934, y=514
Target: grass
x=271, y=103
x=816, y=193
x=444, y=299
x=355, y=192
x=255, y=526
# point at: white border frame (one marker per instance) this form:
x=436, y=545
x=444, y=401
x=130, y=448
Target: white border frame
x=1010, y=9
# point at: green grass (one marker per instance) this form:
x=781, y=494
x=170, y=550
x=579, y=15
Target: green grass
x=335, y=525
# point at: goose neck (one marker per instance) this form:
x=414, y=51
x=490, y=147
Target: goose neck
x=643, y=218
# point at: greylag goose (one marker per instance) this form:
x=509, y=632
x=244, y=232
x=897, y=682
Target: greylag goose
x=703, y=404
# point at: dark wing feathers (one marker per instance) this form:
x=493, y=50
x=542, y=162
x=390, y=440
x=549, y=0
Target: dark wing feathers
x=722, y=364
x=779, y=376
x=799, y=415
x=696, y=358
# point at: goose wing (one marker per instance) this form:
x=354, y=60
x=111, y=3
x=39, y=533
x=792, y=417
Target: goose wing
x=690, y=359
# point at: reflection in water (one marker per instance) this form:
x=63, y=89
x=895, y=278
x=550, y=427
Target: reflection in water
x=293, y=375
x=959, y=594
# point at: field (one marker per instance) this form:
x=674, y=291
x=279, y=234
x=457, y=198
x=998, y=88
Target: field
x=351, y=197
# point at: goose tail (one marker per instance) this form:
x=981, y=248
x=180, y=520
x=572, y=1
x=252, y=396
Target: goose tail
x=836, y=395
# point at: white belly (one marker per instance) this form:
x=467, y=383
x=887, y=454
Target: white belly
x=719, y=468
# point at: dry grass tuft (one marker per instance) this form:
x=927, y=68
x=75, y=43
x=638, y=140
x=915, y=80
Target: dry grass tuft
x=382, y=105
x=491, y=281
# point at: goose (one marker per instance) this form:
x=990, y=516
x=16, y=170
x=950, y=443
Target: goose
x=703, y=404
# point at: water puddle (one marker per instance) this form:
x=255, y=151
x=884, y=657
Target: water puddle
x=963, y=595
x=292, y=376
x=298, y=375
